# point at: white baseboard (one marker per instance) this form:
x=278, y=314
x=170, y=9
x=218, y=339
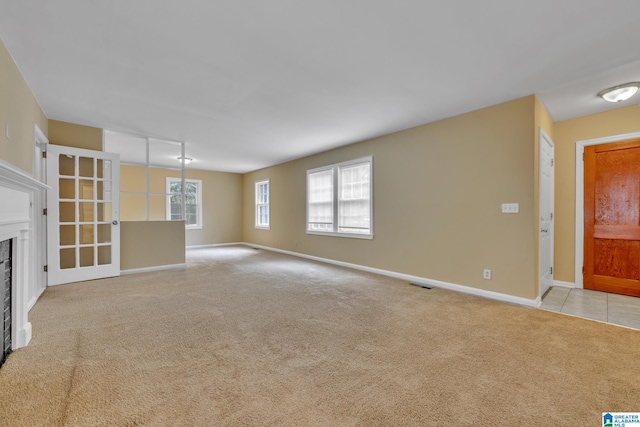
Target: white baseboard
x=155, y=268
x=214, y=245
x=564, y=284
x=415, y=279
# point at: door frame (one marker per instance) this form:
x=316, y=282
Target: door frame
x=39, y=249
x=543, y=136
x=579, y=240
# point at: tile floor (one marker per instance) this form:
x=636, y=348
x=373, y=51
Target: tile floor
x=611, y=308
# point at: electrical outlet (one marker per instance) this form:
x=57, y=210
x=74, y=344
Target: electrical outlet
x=486, y=274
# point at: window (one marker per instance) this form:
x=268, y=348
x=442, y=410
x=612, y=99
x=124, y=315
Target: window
x=262, y=204
x=192, y=199
x=339, y=199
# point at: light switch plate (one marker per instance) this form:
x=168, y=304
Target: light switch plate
x=511, y=208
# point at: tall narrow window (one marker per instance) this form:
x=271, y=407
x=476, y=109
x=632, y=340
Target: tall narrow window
x=193, y=201
x=339, y=199
x=262, y=204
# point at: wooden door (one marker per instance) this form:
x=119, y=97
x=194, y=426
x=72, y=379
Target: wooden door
x=612, y=217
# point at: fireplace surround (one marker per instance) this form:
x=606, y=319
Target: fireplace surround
x=20, y=195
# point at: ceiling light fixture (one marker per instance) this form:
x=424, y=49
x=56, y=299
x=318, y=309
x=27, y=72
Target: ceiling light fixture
x=186, y=160
x=620, y=93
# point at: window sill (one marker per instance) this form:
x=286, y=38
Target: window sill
x=257, y=227
x=348, y=235
x=193, y=227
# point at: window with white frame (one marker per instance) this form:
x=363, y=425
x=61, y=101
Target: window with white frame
x=262, y=204
x=192, y=201
x=339, y=199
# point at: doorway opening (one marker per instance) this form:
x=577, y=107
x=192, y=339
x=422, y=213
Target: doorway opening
x=580, y=192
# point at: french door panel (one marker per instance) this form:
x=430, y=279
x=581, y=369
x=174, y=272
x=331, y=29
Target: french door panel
x=83, y=233
x=612, y=218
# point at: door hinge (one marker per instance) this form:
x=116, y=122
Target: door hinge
x=44, y=211
x=551, y=269
x=583, y=157
x=46, y=268
x=583, y=269
x=551, y=162
x=551, y=215
x=44, y=154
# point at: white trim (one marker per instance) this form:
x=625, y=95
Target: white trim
x=579, y=212
x=414, y=279
x=544, y=138
x=154, y=268
x=214, y=245
x=39, y=247
x=564, y=284
x=23, y=261
x=337, y=234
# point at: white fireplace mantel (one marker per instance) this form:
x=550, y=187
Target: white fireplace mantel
x=18, y=193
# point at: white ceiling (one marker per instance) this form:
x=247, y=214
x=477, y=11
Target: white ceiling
x=249, y=84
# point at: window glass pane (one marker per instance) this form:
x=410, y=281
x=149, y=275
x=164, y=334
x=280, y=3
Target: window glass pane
x=86, y=212
x=133, y=178
x=164, y=153
x=67, y=188
x=85, y=188
x=87, y=234
x=133, y=207
x=104, y=233
x=86, y=257
x=354, y=207
x=320, y=209
x=86, y=166
x=67, y=258
x=157, y=207
x=104, y=255
x=67, y=165
x=67, y=235
x=132, y=149
x=104, y=212
x=67, y=211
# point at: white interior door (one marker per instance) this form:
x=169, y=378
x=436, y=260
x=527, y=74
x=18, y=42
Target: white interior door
x=83, y=206
x=546, y=202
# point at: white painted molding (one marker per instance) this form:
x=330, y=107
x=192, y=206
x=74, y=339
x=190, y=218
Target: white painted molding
x=214, y=245
x=415, y=279
x=16, y=178
x=564, y=284
x=579, y=209
x=154, y=268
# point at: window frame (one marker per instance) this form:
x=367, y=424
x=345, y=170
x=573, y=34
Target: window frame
x=335, y=168
x=257, y=204
x=198, y=182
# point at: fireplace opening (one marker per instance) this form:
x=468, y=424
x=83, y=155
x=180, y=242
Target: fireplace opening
x=5, y=295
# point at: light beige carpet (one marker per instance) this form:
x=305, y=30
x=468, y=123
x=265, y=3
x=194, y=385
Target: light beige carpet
x=247, y=337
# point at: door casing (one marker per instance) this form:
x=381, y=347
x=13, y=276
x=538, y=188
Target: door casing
x=579, y=224
x=549, y=192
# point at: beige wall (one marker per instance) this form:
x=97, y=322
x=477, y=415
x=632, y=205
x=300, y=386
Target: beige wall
x=146, y=244
x=19, y=110
x=437, y=195
x=73, y=135
x=221, y=198
x=566, y=134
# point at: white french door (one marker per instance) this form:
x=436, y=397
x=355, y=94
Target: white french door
x=83, y=207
